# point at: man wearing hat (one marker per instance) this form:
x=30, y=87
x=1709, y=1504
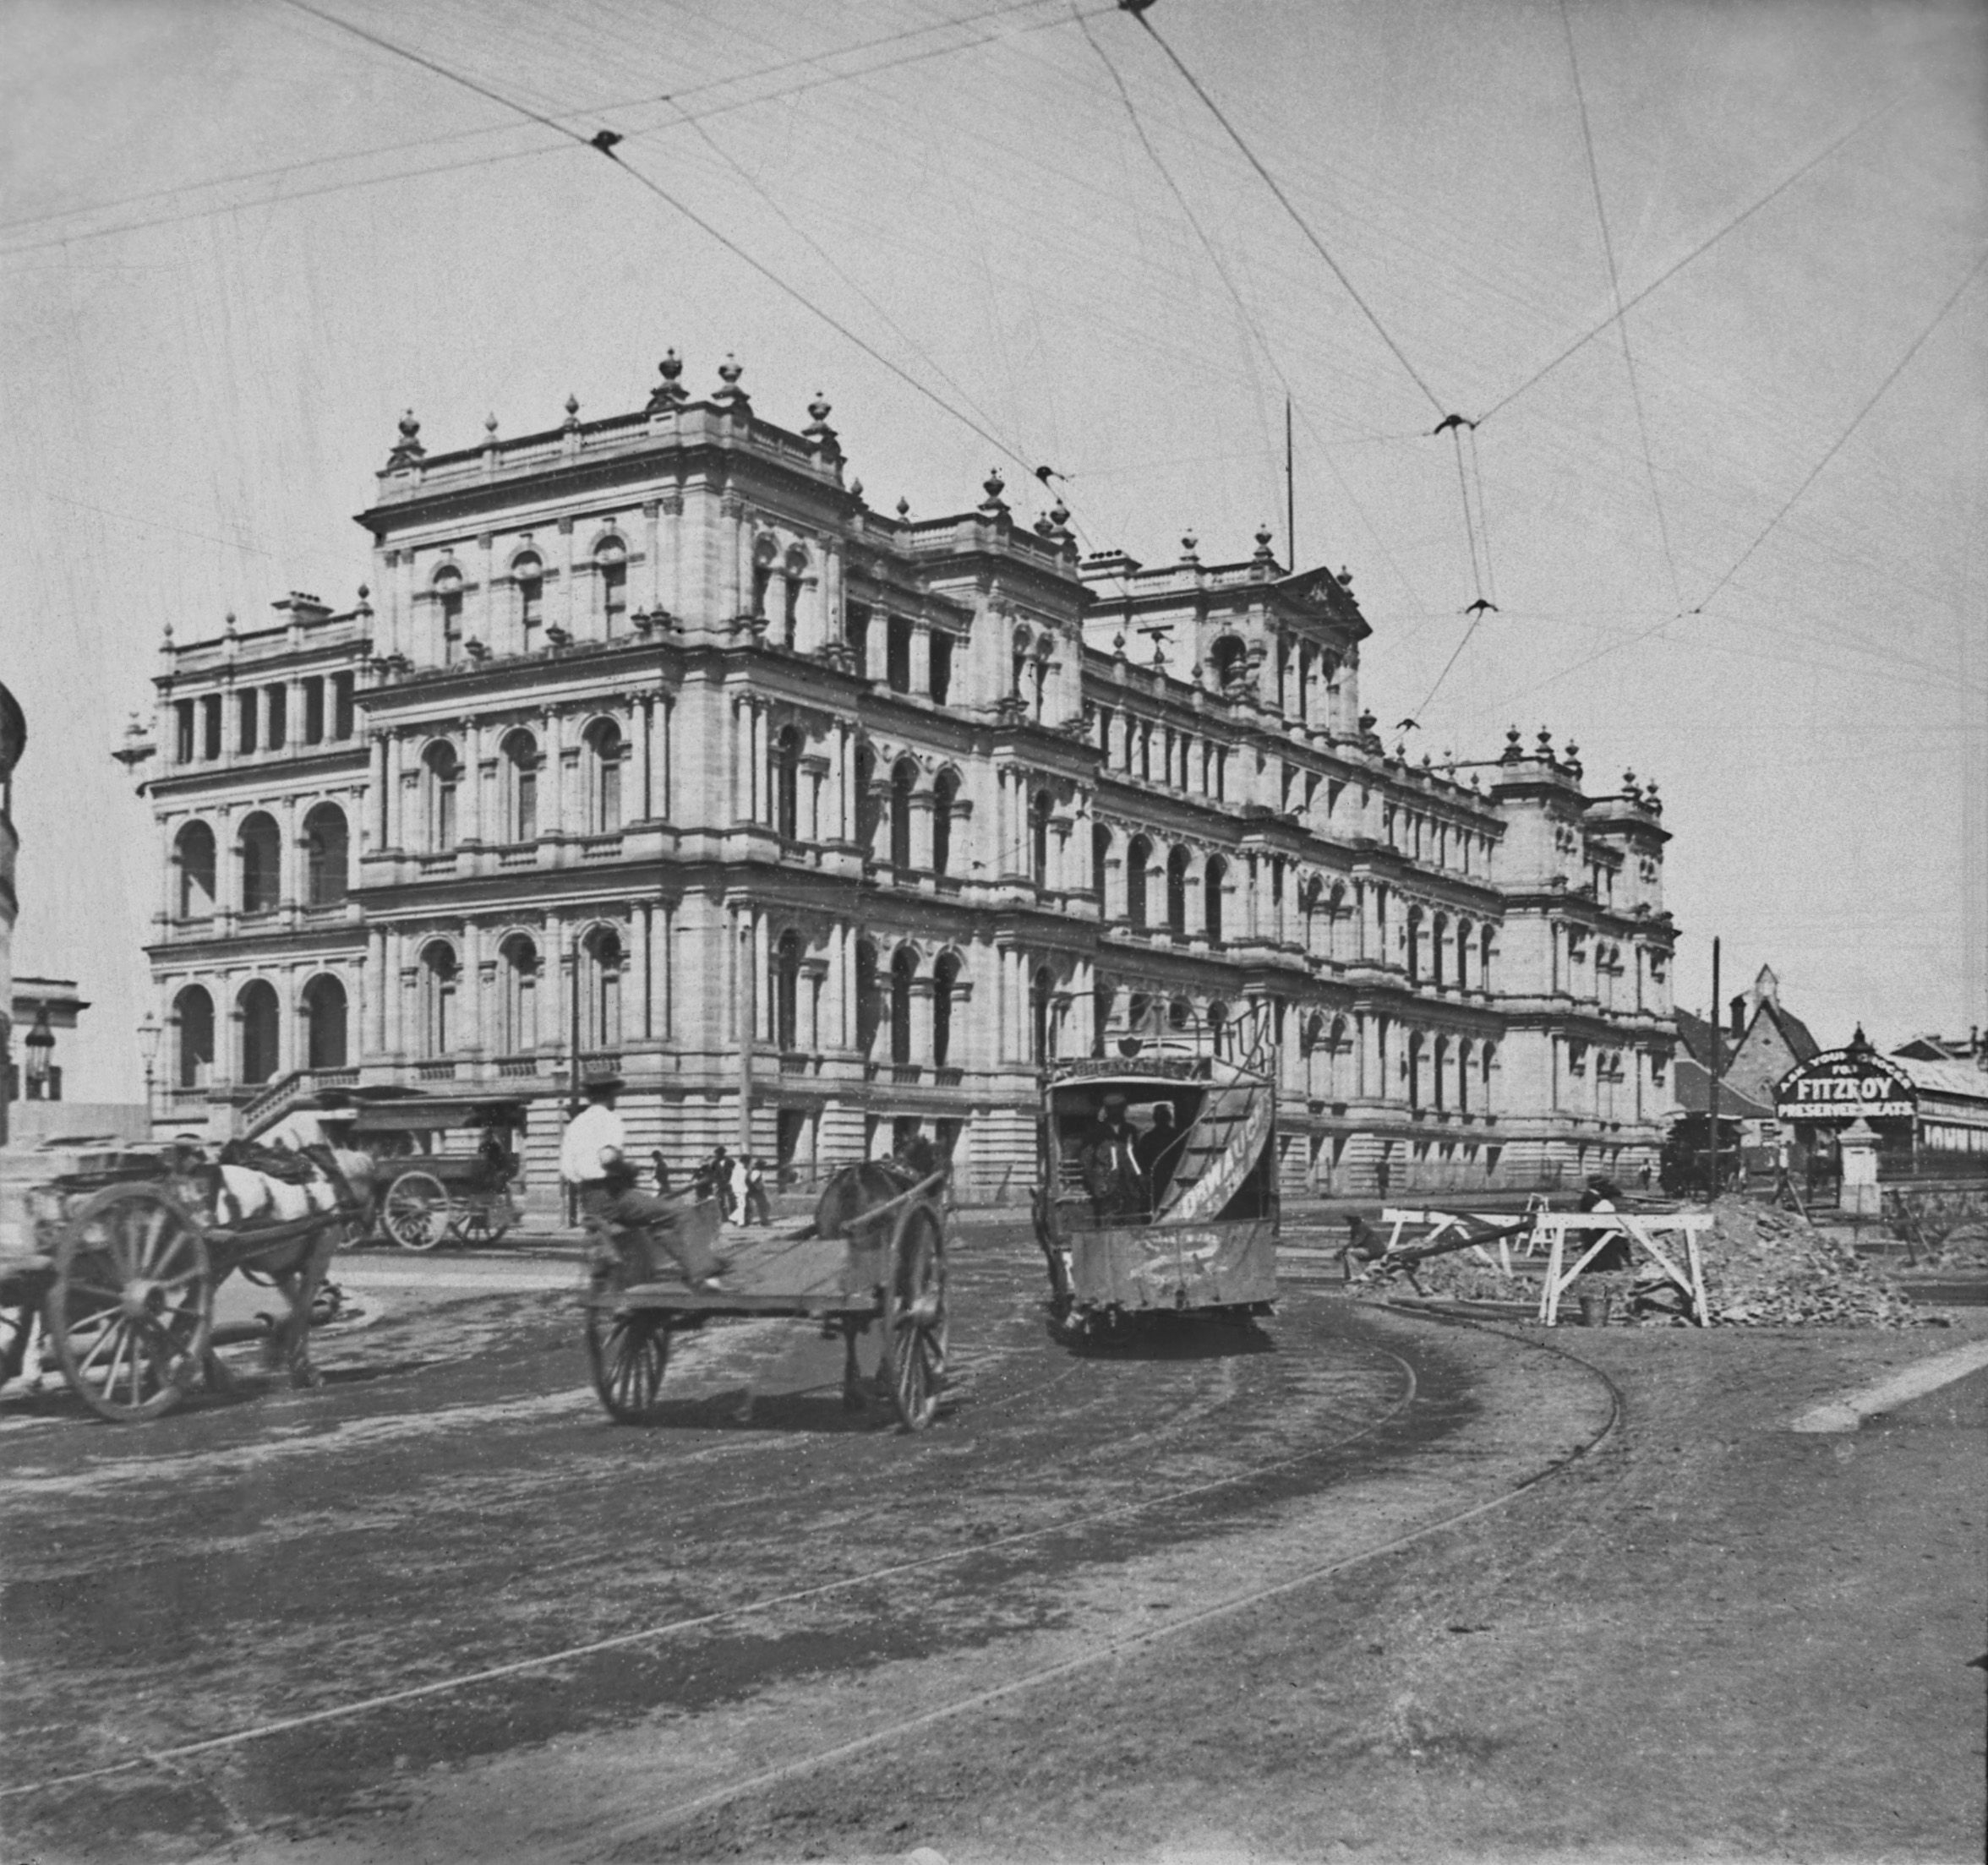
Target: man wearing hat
x=1112, y=1170
x=593, y=1161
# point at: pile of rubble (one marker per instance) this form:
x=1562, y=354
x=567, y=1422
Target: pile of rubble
x=1769, y=1268
x=1763, y=1268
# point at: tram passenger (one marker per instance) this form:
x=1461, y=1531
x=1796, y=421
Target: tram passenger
x=1158, y=1150
x=1112, y=1171
x=593, y=1160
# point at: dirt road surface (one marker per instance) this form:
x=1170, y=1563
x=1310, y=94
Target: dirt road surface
x=1350, y=1585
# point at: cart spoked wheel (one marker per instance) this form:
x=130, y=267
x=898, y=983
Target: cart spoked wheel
x=482, y=1220
x=628, y=1351
x=415, y=1211
x=17, y=1335
x=131, y=1306
x=915, y=1316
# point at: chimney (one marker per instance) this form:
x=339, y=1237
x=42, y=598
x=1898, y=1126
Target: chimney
x=1738, y=1017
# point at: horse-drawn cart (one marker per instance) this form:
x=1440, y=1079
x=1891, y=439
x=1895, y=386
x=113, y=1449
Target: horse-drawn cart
x=119, y=1266
x=875, y=1251
x=435, y=1191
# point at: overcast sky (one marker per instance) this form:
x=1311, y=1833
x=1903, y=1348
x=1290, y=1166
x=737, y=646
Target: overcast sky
x=239, y=239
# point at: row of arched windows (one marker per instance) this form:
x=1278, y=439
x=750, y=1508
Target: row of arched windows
x=519, y=764
x=525, y=573
x=1171, y=909
x=257, y=1018
x=259, y=852
x=899, y=807
x=1443, y=953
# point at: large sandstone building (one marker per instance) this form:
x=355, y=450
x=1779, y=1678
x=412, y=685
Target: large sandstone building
x=653, y=747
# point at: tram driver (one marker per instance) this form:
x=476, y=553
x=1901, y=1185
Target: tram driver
x=593, y=1159
x=1113, y=1174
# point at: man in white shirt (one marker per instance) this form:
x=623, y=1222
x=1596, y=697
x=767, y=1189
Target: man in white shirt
x=593, y=1161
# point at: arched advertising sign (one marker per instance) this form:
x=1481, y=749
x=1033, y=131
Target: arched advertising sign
x=1842, y=1084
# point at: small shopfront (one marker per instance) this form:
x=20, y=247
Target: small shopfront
x=1923, y=1116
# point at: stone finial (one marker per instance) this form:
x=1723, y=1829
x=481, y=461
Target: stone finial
x=670, y=392
x=1650, y=798
x=1545, y=744
x=229, y=627
x=818, y=433
x=819, y=407
x=856, y=490
x=993, y=485
x=1629, y=783
x=1059, y=518
x=407, y=449
x=1512, y=753
x=1346, y=577
x=1043, y=527
x=490, y=424
x=1190, y=545
x=1118, y=645
x=1263, y=553
x=572, y=412
x=904, y=510
x=731, y=395
x=165, y=636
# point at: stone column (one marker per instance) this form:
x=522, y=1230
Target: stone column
x=374, y=1002
x=552, y=801
x=568, y=609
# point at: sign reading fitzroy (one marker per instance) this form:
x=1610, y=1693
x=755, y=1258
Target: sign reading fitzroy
x=1840, y=1084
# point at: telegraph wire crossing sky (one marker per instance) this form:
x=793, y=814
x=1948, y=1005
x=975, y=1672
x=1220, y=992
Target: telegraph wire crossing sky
x=1113, y=245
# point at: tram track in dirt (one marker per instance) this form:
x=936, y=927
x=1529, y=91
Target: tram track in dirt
x=166, y=1758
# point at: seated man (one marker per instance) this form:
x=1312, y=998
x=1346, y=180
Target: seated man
x=593, y=1159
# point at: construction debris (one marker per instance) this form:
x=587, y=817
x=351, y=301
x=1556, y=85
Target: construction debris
x=1764, y=1267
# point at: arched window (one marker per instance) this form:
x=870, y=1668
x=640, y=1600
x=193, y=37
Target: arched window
x=1438, y=941
x=790, y=609
x=945, y=985
x=1040, y=812
x=1463, y=1069
x=867, y=802
x=439, y=975
x=326, y=851
x=1484, y=1074
x=1215, y=874
x=786, y=783
x=1463, y=947
x=897, y=654
x=261, y=1020
x=441, y=775
x=610, y=572
x=1415, y=1069
x=192, y=855
x=520, y=786
x=764, y=554
x=1042, y=653
x=1103, y=998
x=193, y=1022
x=1042, y=1019
x=867, y=1007
x=1021, y=660
x=1100, y=861
x=903, y=781
x=1139, y=1023
x=606, y=748
x=262, y=864
x=903, y=969
x=1484, y=959
x=527, y=576
x=448, y=600
x=1225, y=658
x=1414, y=935
x=1180, y=1013
x=325, y=1007
x=786, y=992
x=1438, y=1073
x=1138, y=857
x=945, y=801
x=601, y=962
x=1176, y=893
x=517, y=978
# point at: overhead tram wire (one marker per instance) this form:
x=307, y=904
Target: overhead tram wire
x=1815, y=472
x=1635, y=391
x=603, y=144
x=1269, y=181
x=1697, y=251
x=592, y=112
x=1483, y=520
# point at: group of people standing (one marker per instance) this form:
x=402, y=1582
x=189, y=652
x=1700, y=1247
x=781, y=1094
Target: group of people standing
x=1126, y=1167
x=739, y=1185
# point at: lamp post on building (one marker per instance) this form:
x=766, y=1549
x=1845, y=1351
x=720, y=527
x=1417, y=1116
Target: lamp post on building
x=148, y=1047
x=39, y=1043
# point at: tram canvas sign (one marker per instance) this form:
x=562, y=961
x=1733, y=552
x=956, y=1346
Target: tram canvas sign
x=1842, y=1084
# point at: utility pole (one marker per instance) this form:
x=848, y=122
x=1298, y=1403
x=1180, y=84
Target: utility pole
x=1712, y=1142
x=1290, y=492
x=748, y=999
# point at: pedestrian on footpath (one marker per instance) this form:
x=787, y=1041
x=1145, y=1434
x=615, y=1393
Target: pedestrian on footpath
x=660, y=1166
x=758, y=1209
x=593, y=1160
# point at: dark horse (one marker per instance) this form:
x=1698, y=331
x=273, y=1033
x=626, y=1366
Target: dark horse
x=851, y=1195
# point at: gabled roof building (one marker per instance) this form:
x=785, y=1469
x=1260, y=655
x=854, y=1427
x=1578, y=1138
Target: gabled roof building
x=652, y=746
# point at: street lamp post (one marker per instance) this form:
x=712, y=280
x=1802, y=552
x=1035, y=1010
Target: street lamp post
x=148, y=1047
